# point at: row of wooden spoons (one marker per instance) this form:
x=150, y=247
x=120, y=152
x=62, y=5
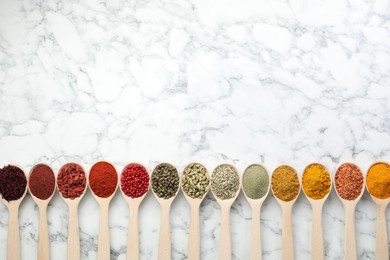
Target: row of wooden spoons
x=194, y=234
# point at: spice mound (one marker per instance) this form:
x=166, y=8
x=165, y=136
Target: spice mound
x=316, y=181
x=285, y=183
x=225, y=182
x=255, y=181
x=378, y=180
x=71, y=181
x=165, y=180
x=195, y=180
x=103, y=179
x=42, y=181
x=349, y=181
x=134, y=180
x=13, y=183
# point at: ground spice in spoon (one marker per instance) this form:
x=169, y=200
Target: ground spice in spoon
x=349, y=181
x=135, y=180
x=103, y=179
x=165, y=180
x=71, y=181
x=316, y=181
x=378, y=180
x=255, y=181
x=285, y=183
x=13, y=183
x=41, y=181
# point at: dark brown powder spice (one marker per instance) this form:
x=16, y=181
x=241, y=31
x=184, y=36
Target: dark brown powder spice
x=13, y=183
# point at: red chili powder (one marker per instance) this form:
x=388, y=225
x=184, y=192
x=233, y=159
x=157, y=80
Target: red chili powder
x=71, y=181
x=103, y=179
x=349, y=181
x=13, y=183
x=42, y=181
x=134, y=180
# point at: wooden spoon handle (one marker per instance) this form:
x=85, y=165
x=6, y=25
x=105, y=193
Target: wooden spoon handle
x=194, y=234
x=133, y=234
x=73, y=233
x=255, y=247
x=350, y=238
x=287, y=234
x=225, y=250
x=164, y=246
x=382, y=249
x=104, y=233
x=317, y=239
x=43, y=235
x=13, y=242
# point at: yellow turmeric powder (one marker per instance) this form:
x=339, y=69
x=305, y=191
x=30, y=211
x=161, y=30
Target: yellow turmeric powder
x=378, y=180
x=316, y=181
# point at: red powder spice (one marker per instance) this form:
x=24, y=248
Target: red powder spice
x=41, y=181
x=349, y=181
x=13, y=183
x=103, y=179
x=71, y=181
x=134, y=180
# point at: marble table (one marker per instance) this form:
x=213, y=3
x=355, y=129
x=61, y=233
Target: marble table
x=151, y=81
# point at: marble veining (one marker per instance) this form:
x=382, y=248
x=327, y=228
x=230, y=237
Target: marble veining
x=248, y=81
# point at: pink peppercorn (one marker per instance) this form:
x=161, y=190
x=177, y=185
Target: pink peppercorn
x=134, y=180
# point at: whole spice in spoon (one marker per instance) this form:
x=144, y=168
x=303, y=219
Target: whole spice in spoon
x=103, y=179
x=316, y=181
x=134, y=180
x=41, y=181
x=165, y=180
x=349, y=181
x=255, y=181
x=195, y=180
x=71, y=181
x=378, y=180
x=285, y=183
x=225, y=182
x=13, y=183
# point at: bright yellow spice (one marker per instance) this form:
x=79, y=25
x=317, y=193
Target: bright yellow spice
x=316, y=181
x=378, y=180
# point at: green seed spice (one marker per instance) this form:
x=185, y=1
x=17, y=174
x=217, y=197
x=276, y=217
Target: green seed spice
x=255, y=181
x=195, y=180
x=225, y=182
x=165, y=180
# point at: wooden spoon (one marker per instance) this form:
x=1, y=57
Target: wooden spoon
x=13, y=240
x=350, y=237
x=225, y=244
x=104, y=230
x=164, y=245
x=287, y=229
x=194, y=231
x=73, y=224
x=133, y=231
x=43, y=230
x=317, y=238
x=255, y=247
x=382, y=248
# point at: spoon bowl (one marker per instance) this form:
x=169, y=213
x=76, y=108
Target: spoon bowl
x=194, y=232
x=133, y=229
x=164, y=246
x=73, y=224
x=225, y=247
x=255, y=246
x=43, y=230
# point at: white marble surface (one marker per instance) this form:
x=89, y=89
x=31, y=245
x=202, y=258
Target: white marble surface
x=216, y=81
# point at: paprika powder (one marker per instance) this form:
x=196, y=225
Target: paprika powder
x=103, y=179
